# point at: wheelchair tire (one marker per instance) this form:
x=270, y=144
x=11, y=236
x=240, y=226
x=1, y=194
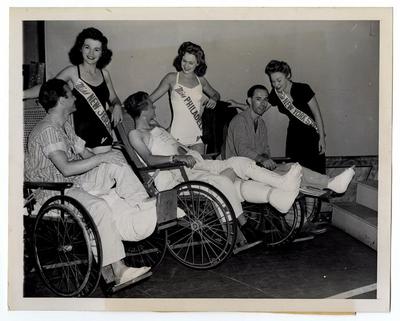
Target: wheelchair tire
x=147, y=252
x=312, y=207
x=67, y=247
x=205, y=237
x=280, y=229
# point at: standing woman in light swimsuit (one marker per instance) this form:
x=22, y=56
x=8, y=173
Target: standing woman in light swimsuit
x=187, y=87
x=93, y=89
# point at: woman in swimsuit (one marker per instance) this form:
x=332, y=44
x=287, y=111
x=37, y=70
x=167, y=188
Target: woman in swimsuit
x=93, y=89
x=187, y=87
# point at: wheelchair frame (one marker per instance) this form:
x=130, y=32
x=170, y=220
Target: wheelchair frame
x=64, y=242
x=279, y=229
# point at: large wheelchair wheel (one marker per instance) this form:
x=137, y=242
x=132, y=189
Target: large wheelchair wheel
x=278, y=228
x=312, y=207
x=148, y=252
x=67, y=247
x=205, y=237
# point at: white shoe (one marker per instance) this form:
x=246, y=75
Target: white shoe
x=133, y=273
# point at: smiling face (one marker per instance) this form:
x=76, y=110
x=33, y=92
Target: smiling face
x=189, y=63
x=279, y=81
x=259, y=102
x=91, y=51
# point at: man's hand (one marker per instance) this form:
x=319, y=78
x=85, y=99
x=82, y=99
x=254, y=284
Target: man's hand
x=269, y=164
x=188, y=160
x=112, y=157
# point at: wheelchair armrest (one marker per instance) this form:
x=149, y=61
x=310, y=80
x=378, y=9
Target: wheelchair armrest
x=281, y=159
x=60, y=186
x=162, y=167
x=211, y=155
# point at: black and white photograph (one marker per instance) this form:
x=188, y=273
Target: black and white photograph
x=166, y=156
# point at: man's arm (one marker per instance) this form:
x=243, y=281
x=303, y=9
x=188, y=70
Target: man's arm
x=238, y=137
x=137, y=140
x=76, y=167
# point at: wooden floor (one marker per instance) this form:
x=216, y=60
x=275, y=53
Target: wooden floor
x=332, y=264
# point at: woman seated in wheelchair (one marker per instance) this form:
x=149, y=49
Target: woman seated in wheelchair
x=238, y=178
x=104, y=184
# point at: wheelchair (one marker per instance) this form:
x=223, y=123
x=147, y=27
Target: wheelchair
x=62, y=243
x=277, y=229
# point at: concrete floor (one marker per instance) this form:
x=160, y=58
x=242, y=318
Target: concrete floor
x=331, y=264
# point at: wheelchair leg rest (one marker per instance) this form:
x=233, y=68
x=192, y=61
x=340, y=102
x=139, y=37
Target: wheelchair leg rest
x=119, y=287
x=242, y=244
x=109, y=279
x=166, y=206
x=168, y=224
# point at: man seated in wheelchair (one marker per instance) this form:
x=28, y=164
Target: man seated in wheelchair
x=247, y=137
x=238, y=178
x=103, y=183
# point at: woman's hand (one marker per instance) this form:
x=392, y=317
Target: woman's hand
x=322, y=145
x=116, y=115
x=211, y=103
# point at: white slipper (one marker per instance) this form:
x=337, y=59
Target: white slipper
x=132, y=273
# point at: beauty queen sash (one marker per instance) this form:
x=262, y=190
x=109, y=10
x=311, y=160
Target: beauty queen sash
x=187, y=101
x=303, y=117
x=94, y=103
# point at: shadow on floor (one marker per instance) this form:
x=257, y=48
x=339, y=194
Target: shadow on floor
x=331, y=263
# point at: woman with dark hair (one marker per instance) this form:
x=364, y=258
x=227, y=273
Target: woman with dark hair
x=186, y=88
x=305, y=141
x=93, y=89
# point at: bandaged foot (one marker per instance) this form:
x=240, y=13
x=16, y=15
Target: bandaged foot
x=180, y=213
x=340, y=182
x=288, y=182
x=291, y=180
x=282, y=200
x=132, y=273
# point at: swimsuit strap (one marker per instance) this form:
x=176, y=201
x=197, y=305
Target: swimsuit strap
x=79, y=73
x=101, y=70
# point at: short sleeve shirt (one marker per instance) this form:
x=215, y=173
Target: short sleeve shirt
x=45, y=138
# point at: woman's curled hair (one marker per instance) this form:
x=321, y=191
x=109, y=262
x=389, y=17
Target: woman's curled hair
x=278, y=66
x=75, y=54
x=197, y=51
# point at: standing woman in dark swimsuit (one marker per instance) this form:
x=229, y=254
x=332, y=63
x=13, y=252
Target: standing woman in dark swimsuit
x=305, y=141
x=93, y=89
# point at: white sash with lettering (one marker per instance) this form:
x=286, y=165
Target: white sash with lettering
x=94, y=103
x=288, y=104
x=187, y=101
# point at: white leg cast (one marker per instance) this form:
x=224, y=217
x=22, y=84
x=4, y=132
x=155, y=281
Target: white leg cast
x=287, y=182
x=340, y=182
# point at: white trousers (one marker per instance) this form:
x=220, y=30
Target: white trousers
x=119, y=206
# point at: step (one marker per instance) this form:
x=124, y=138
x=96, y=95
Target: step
x=367, y=194
x=357, y=220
